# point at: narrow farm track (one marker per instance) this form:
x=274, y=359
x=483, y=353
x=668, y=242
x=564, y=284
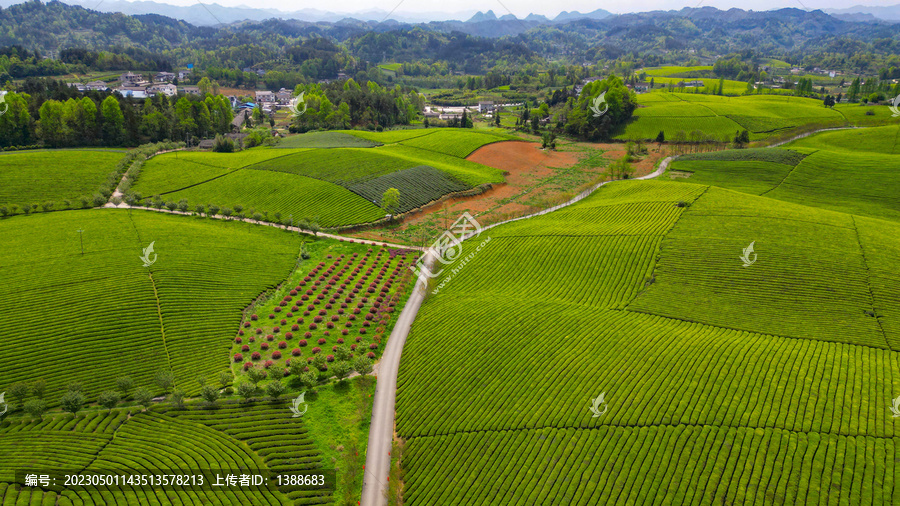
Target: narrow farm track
x=381, y=431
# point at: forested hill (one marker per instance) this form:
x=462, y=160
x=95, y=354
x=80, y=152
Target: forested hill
x=55, y=26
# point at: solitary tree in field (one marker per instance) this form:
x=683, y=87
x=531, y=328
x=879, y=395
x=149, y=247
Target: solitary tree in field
x=36, y=407
x=165, y=379
x=210, y=394
x=125, y=384
x=390, y=201
x=246, y=390
x=108, y=399
x=72, y=402
x=143, y=397
x=19, y=392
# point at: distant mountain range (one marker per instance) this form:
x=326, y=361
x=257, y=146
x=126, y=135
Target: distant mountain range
x=864, y=12
x=211, y=14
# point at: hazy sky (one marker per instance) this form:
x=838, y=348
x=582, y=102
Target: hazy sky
x=523, y=7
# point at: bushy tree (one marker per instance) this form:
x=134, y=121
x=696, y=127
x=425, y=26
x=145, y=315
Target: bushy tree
x=210, y=394
x=164, y=379
x=36, y=407
x=109, y=399
x=390, y=201
x=363, y=365
x=144, y=397
x=72, y=402
x=124, y=384
x=341, y=369
x=275, y=389
x=246, y=390
x=18, y=392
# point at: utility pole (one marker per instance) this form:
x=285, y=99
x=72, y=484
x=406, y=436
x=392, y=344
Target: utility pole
x=81, y=235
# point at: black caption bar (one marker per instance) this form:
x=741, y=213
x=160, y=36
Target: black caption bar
x=177, y=479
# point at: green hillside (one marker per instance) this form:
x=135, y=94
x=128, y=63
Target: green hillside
x=722, y=383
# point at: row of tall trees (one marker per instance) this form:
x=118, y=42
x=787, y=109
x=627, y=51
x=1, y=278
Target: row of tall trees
x=112, y=120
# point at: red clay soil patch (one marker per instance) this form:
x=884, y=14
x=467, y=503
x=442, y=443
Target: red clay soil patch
x=527, y=169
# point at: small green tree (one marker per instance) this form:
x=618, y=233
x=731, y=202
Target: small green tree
x=72, y=402
x=36, y=407
x=226, y=212
x=363, y=365
x=213, y=209
x=124, y=384
x=178, y=398
x=246, y=390
x=200, y=209
x=390, y=201
x=171, y=206
x=309, y=379
x=341, y=369
x=201, y=381
x=38, y=387
x=255, y=375
x=165, y=379
x=19, y=392
x=275, y=389
x=183, y=205
x=238, y=208
x=342, y=352
x=225, y=378
x=210, y=394
x=144, y=397
x=314, y=228
x=109, y=399
x=296, y=367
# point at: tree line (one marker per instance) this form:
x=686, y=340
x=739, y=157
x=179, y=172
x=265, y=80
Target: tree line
x=56, y=117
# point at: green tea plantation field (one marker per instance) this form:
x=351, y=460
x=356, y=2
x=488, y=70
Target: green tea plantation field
x=332, y=178
x=619, y=351
x=61, y=178
x=718, y=117
x=852, y=170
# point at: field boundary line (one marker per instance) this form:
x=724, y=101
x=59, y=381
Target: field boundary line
x=862, y=251
x=162, y=326
x=788, y=174
x=266, y=223
x=641, y=426
x=807, y=134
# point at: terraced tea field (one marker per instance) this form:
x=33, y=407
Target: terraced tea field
x=336, y=179
x=179, y=313
x=721, y=383
x=821, y=171
x=35, y=177
x=718, y=117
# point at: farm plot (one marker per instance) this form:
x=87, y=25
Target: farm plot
x=35, y=177
x=755, y=171
x=648, y=127
x=288, y=194
x=345, y=301
x=341, y=167
x=207, y=272
x=811, y=281
x=391, y=136
x=171, y=172
x=326, y=140
x=859, y=183
x=454, y=142
x=418, y=186
x=693, y=411
x=882, y=140
x=285, y=444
